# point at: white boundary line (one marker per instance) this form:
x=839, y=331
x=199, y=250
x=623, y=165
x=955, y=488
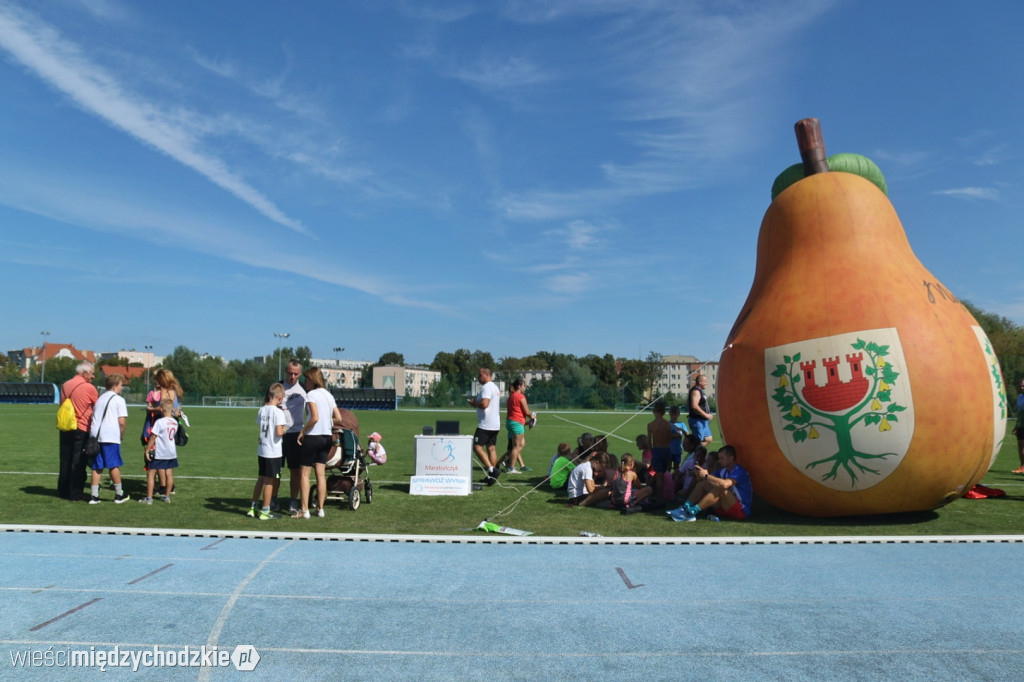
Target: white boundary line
x=528, y=540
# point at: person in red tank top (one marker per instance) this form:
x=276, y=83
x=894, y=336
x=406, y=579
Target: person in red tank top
x=516, y=416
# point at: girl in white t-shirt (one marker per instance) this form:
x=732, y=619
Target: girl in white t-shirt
x=161, y=452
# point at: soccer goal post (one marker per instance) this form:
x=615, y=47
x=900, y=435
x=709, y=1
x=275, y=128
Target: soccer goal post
x=230, y=401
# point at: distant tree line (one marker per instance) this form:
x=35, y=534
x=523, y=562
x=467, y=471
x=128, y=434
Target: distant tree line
x=590, y=382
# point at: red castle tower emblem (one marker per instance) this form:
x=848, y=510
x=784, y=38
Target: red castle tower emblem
x=835, y=395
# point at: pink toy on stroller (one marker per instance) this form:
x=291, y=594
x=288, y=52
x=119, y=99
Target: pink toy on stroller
x=375, y=450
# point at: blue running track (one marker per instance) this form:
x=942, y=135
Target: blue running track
x=499, y=608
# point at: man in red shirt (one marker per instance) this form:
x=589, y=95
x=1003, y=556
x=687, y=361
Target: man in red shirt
x=83, y=395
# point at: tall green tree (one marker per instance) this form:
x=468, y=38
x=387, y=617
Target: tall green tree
x=604, y=369
x=9, y=371
x=58, y=370
x=391, y=358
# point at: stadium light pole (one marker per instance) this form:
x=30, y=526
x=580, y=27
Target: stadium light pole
x=149, y=349
x=280, y=335
x=42, y=379
x=337, y=360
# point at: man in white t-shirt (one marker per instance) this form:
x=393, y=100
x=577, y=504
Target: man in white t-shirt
x=294, y=403
x=109, y=418
x=488, y=416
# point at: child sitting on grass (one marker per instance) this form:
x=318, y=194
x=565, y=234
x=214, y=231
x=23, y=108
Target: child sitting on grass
x=627, y=491
x=643, y=444
x=161, y=452
x=561, y=467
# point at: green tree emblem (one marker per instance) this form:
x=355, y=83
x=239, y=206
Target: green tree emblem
x=876, y=409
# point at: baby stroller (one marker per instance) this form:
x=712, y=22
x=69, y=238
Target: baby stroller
x=346, y=471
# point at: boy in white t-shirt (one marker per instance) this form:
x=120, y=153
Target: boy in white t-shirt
x=161, y=452
x=108, y=424
x=273, y=423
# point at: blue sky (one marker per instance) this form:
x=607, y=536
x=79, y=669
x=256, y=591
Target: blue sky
x=582, y=177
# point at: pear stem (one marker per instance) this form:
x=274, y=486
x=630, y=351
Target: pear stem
x=812, y=146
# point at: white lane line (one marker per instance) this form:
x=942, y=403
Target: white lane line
x=225, y=612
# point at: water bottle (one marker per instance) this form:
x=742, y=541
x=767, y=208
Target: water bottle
x=712, y=517
x=588, y=534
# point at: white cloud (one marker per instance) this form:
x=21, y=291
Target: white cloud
x=219, y=66
x=503, y=74
x=61, y=64
x=992, y=156
x=691, y=82
x=982, y=193
x=570, y=283
x=76, y=202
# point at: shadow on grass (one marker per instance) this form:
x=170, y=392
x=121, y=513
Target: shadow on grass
x=765, y=514
x=228, y=504
x=40, y=490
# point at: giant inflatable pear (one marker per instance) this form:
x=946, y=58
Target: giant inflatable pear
x=853, y=382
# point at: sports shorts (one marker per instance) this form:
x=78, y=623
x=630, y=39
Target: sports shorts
x=700, y=428
x=514, y=428
x=270, y=467
x=483, y=437
x=660, y=458
x=735, y=512
x=315, y=450
x=157, y=464
x=291, y=449
x=109, y=457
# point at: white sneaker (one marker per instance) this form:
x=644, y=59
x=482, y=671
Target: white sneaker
x=320, y=512
x=301, y=514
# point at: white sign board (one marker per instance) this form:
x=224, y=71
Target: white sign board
x=447, y=461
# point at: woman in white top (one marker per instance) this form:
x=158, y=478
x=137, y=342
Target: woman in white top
x=315, y=439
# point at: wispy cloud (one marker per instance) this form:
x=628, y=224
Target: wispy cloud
x=107, y=10
x=503, y=74
x=220, y=66
x=691, y=83
x=580, y=235
x=573, y=284
x=971, y=193
x=76, y=203
x=991, y=156
x=62, y=65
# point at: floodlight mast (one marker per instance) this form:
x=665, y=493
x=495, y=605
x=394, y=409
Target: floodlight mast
x=280, y=335
x=42, y=379
x=149, y=349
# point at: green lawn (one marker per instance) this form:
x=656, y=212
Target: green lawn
x=218, y=470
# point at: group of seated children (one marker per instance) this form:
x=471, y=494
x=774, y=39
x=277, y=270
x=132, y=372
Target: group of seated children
x=705, y=482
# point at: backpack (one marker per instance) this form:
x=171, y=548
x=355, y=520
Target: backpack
x=180, y=437
x=67, y=420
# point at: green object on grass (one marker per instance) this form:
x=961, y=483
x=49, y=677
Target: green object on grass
x=495, y=528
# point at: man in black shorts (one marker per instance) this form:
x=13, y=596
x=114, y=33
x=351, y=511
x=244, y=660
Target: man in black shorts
x=488, y=414
x=294, y=404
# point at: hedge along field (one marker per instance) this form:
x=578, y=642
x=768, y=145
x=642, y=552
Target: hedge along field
x=218, y=468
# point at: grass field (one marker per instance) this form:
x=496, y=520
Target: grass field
x=218, y=469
